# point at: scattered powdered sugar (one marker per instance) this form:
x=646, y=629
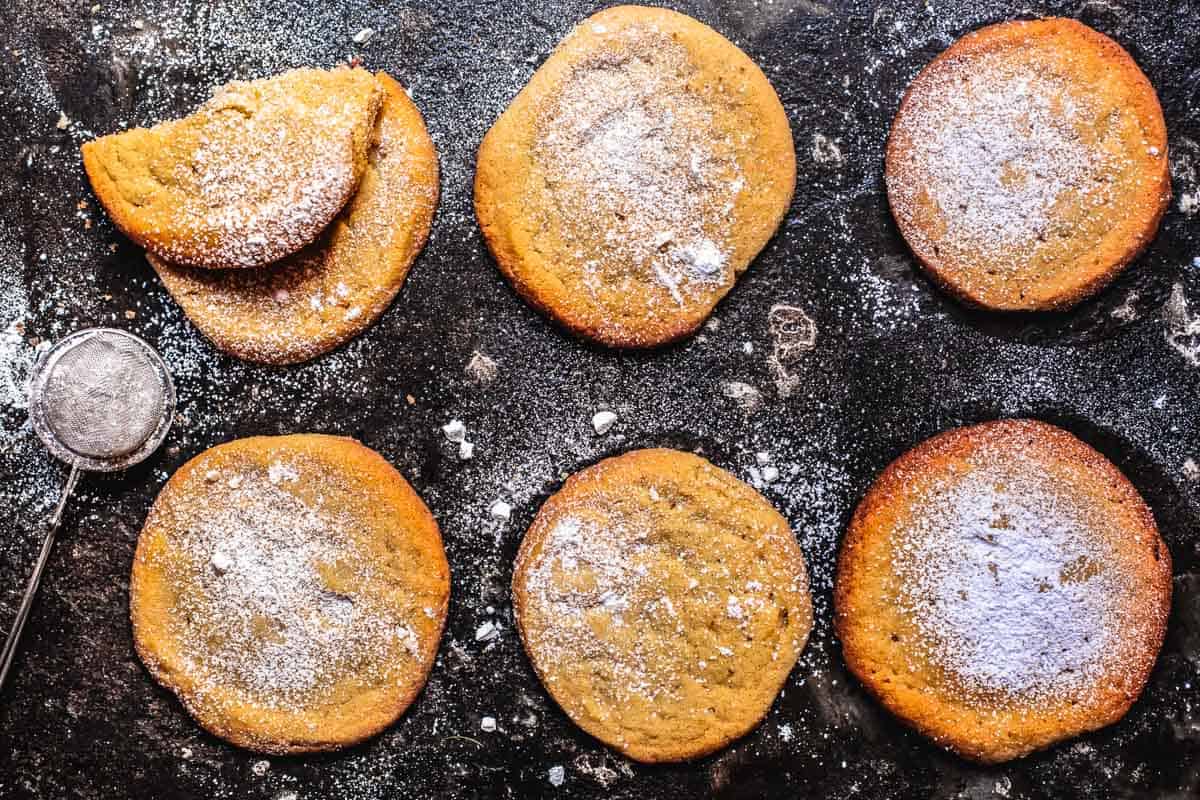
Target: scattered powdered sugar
x=253, y=610
x=17, y=355
x=826, y=150
x=482, y=369
x=1181, y=326
x=746, y=396
x=1009, y=585
x=603, y=421
x=996, y=154
x=793, y=334
x=611, y=594
x=646, y=182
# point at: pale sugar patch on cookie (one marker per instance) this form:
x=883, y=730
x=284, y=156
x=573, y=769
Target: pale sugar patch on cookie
x=1011, y=591
x=646, y=176
x=998, y=156
x=257, y=614
x=1026, y=165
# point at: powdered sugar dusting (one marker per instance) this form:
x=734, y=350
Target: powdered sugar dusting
x=1009, y=585
x=646, y=181
x=321, y=296
x=629, y=599
x=256, y=609
x=258, y=171
x=998, y=156
x=991, y=158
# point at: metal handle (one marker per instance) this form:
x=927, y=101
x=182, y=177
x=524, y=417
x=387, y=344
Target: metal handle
x=14, y=635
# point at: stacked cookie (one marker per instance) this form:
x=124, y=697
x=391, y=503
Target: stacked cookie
x=284, y=214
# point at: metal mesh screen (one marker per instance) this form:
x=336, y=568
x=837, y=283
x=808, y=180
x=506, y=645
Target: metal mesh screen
x=104, y=397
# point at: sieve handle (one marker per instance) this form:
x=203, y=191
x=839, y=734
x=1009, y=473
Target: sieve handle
x=14, y=635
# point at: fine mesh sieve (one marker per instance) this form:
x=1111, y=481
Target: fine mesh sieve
x=101, y=400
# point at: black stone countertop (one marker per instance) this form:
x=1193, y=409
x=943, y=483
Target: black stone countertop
x=895, y=361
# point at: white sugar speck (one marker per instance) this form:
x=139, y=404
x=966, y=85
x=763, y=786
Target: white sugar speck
x=455, y=431
x=602, y=422
x=500, y=510
x=487, y=631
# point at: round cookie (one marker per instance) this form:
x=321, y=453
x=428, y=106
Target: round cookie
x=1027, y=165
x=328, y=293
x=662, y=602
x=1001, y=588
x=291, y=591
x=254, y=175
x=635, y=177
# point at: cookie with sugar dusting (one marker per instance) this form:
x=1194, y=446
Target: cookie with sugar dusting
x=1027, y=165
x=334, y=289
x=1003, y=587
x=635, y=177
x=255, y=174
x=291, y=591
x=662, y=602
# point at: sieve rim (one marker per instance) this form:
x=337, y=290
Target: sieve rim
x=38, y=413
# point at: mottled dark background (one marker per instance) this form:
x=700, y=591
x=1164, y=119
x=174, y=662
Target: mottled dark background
x=895, y=361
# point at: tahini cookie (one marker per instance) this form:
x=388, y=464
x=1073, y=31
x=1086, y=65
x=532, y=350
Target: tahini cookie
x=1001, y=588
x=662, y=602
x=329, y=292
x=291, y=591
x=254, y=175
x=635, y=177
x=1027, y=165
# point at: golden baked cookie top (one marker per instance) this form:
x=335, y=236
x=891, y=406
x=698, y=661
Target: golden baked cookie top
x=329, y=292
x=291, y=591
x=662, y=602
x=1027, y=164
x=635, y=177
x=1002, y=587
x=254, y=175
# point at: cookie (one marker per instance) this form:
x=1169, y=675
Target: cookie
x=291, y=591
x=662, y=602
x=1027, y=165
x=1001, y=588
x=254, y=175
x=329, y=292
x=635, y=177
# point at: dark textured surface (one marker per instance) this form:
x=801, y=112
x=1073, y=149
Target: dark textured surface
x=894, y=362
